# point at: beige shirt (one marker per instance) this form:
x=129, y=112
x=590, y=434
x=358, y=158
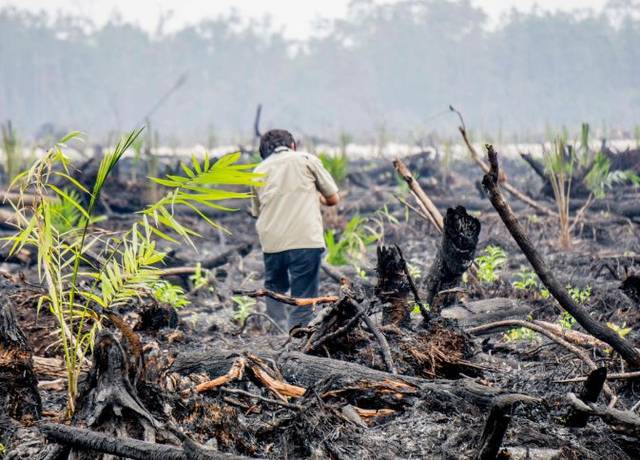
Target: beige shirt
x=287, y=206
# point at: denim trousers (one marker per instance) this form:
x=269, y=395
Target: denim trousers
x=295, y=269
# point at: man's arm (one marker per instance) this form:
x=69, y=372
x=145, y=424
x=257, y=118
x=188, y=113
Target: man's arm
x=255, y=203
x=331, y=200
x=324, y=183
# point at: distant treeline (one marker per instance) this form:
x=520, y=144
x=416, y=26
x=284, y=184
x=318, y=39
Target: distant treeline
x=383, y=71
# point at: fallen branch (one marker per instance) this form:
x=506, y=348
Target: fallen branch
x=503, y=181
x=579, y=352
x=615, y=376
x=425, y=203
x=598, y=330
x=287, y=299
x=89, y=440
x=621, y=420
x=382, y=341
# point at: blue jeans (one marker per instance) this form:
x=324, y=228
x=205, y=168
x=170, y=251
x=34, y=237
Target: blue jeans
x=298, y=269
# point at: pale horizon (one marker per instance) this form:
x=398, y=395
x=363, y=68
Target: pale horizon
x=296, y=20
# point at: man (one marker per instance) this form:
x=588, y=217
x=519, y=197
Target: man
x=290, y=223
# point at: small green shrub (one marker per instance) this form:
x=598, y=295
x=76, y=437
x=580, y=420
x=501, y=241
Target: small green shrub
x=580, y=296
x=351, y=247
x=566, y=320
x=492, y=259
x=199, y=278
x=244, y=307
x=527, y=280
x=337, y=165
x=519, y=334
x=170, y=294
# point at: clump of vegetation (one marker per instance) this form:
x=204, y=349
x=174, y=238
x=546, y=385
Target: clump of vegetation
x=519, y=334
x=127, y=264
x=492, y=259
x=199, y=277
x=580, y=296
x=527, y=280
x=337, y=165
x=566, y=320
x=169, y=294
x=244, y=307
x=351, y=247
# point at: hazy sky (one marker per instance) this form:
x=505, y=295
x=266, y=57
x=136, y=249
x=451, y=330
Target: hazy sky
x=295, y=17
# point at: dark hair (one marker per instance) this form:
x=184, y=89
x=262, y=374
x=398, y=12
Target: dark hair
x=273, y=139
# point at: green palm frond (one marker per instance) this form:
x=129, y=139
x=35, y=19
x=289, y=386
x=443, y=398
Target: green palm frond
x=194, y=190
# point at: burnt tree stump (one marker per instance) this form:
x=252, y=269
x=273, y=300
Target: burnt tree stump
x=394, y=286
x=590, y=392
x=19, y=396
x=454, y=257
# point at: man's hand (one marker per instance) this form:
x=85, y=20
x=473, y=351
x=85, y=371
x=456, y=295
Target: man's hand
x=331, y=200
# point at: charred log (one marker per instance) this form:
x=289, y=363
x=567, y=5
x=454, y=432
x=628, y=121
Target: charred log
x=19, y=396
x=308, y=370
x=457, y=249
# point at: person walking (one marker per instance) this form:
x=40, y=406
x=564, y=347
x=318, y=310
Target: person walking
x=289, y=222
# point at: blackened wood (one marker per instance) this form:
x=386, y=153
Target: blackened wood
x=455, y=255
x=393, y=286
x=19, y=396
x=595, y=328
x=631, y=287
x=590, y=392
x=497, y=424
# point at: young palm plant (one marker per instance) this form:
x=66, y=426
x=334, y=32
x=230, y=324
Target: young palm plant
x=80, y=288
x=559, y=165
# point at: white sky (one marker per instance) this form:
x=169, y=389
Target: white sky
x=295, y=17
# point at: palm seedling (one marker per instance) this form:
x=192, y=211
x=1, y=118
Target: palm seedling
x=559, y=165
x=86, y=273
x=337, y=165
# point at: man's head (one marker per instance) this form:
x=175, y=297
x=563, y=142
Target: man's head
x=273, y=139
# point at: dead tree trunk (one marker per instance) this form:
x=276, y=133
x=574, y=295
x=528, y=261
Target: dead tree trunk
x=19, y=396
x=457, y=249
x=393, y=286
x=595, y=328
